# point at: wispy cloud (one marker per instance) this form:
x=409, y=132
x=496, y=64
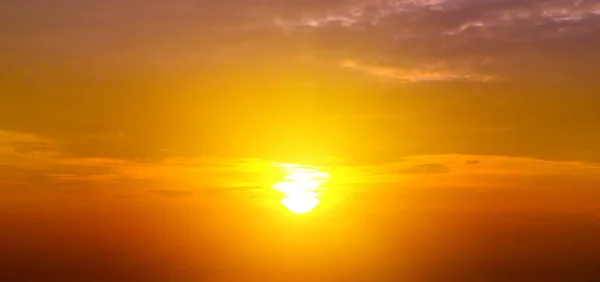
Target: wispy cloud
x=350, y=14
x=420, y=15
x=494, y=172
x=429, y=73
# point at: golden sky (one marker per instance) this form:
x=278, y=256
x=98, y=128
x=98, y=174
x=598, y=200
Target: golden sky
x=457, y=135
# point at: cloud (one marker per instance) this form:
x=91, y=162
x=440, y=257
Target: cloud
x=437, y=16
x=173, y=194
x=238, y=178
x=238, y=192
x=26, y=143
x=505, y=183
x=479, y=40
x=496, y=172
x=33, y=160
x=21, y=152
x=425, y=169
x=353, y=13
x=430, y=73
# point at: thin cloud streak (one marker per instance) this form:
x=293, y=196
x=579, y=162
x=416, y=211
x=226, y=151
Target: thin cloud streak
x=404, y=75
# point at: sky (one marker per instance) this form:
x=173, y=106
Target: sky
x=139, y=140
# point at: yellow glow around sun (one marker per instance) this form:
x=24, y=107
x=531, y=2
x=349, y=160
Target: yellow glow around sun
x=301, y=187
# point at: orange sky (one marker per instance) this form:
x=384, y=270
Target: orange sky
x=138, y=139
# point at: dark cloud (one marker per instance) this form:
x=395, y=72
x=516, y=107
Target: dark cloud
x=425, y=169
x=473, y=162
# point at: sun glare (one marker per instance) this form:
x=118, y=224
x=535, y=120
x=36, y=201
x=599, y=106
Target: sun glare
x=301, y=187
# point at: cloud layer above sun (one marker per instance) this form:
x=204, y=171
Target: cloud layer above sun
x=478, y=39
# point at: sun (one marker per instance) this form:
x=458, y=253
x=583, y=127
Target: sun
x=301, y=187
x=300, y=205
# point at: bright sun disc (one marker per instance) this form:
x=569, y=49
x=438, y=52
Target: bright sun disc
x=300, y=205
x=301, y=187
